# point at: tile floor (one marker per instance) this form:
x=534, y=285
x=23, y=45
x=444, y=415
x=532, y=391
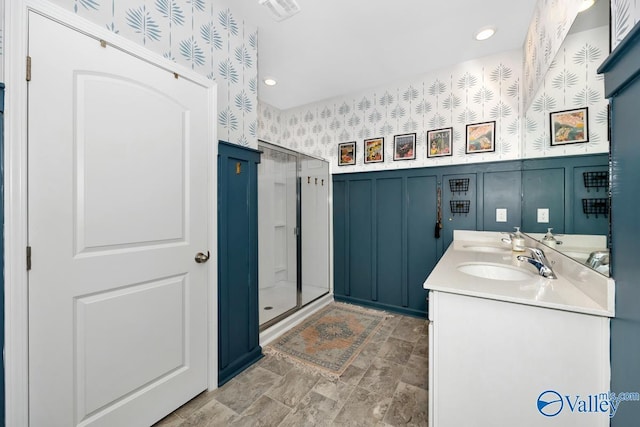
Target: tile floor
x=386, y=385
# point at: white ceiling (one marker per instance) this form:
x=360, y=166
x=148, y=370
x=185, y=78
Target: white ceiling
x=335, y=47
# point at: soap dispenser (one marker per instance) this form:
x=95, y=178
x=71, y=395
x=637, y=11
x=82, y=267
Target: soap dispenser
x=549, y=240
x=517, y=241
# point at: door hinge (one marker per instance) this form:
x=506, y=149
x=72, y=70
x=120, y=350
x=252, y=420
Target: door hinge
x=28, y=258
x=28, y=68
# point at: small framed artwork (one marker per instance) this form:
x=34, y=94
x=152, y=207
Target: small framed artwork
x=481, y=137
x=439, y=142
x=347, y=153
x=569, y=126
x=374, y=150
x=404, y=147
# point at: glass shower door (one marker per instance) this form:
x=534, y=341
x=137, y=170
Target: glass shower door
x=277, y=234
x=314, y=219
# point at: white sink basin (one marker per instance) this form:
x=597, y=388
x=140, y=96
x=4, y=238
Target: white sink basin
x=495, y=271
x=490, y=249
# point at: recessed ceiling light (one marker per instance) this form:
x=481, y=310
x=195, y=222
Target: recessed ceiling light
x=270, y=81
x=586, y=4
x=484, y=33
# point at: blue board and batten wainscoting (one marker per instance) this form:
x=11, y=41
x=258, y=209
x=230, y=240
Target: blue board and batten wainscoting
x=384, y=222
x=238, y=334
x=622, y=87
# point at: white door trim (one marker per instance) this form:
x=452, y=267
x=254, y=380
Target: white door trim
x=15, y=195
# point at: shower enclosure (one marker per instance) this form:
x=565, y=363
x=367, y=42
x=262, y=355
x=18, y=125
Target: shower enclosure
x=293, y=232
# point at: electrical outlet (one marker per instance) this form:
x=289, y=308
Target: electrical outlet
x=501, y=215
x=543, y=215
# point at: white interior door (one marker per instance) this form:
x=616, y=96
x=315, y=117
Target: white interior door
x=118, y=209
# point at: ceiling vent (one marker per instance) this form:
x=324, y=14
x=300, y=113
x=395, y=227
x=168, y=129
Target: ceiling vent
x=281, y=9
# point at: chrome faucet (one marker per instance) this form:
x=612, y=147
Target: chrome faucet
x=598, y=258
x=539, y=261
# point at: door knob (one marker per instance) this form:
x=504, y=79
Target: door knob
x=200, y=257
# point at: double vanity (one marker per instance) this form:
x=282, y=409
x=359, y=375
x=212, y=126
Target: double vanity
x=501, y=335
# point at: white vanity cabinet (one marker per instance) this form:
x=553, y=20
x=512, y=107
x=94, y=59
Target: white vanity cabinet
x=490, y=360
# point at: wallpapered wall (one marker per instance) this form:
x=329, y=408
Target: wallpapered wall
x=549, y=26
x=571, y=82
x=624, y=15
x=475, y=91
x=212, y=41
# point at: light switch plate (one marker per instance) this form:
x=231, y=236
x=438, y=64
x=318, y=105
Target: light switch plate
x=543, y=215
x=501, y=215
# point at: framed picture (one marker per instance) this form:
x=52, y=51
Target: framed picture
x=404, y=147
x=347, y=153
x=439, y=142
x=481, y=137
x=374, y=150
x=569, y=126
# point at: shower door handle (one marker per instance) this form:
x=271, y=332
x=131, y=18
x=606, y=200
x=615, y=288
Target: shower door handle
x=200, y=257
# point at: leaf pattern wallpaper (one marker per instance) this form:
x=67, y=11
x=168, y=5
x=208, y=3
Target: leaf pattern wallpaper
x=197, y=34
x=571, y=82
x=223, y=47
x=549, y=26
x=484, y=89
x=625, y=14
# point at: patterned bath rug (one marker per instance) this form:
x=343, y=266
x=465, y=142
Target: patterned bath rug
x=329, y=340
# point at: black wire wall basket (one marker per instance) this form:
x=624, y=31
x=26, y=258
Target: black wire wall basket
x=459, y=206
x=459, y=185
x=596, y=180
x=595, y=207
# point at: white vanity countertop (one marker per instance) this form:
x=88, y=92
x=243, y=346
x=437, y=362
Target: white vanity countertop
x=576, y=289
